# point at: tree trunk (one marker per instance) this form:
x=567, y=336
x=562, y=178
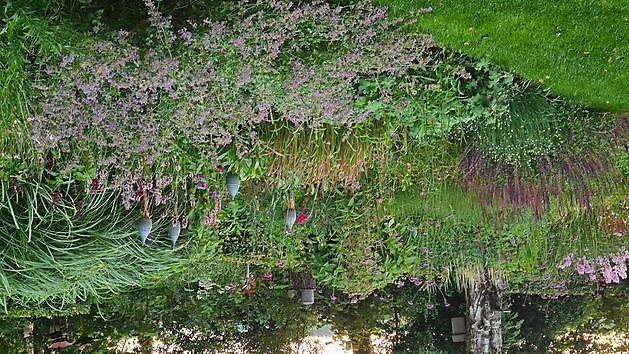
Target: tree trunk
x=28, y=337
x=484, y=318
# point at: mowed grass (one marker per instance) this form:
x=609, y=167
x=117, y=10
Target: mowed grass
x=577, y=48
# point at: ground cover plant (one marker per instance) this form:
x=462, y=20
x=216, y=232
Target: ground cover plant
x=559, y=43
x=403, y=164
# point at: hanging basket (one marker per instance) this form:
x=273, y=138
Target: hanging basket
x=233, y=184
x=458, y=329
x=173, y=231
x=291, y=216
x=308, y=287
x=144, y=228
x=307, y=296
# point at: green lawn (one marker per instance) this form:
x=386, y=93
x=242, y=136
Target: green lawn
x=577, y=48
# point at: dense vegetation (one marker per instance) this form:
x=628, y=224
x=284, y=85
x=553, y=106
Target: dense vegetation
x=403, y=165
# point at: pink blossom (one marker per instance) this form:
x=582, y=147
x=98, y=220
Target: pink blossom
x=302, y=217
x=415, y=281
x=430, y=306
x=332, y=298
x=620, y=265
x=210, y=219
x=609, y=275
x=268, y=277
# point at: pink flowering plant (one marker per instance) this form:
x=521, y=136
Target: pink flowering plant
x=606, y=269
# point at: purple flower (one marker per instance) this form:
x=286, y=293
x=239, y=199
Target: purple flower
x=200, y=182
x=67, y=59
x=332, y=298
x=399, y=283
x=620, y=265
x=239, y=43
x=584, y=266
x=185, y=34
x=280, y=263
x=430, y=306
x=567, y=261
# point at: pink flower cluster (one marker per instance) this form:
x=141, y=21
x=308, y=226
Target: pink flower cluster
x=302, y=217
x=611, y=268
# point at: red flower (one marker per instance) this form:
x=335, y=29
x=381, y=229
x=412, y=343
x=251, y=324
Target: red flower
x=302, y=217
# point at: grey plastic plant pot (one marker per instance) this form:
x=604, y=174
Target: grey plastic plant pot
x=173, y=232
x=307, y=296
x=458, y=329
x=233, y=184
x=290, y=218
x=144, y=228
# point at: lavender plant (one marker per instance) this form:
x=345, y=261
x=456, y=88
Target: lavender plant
x=137, y=113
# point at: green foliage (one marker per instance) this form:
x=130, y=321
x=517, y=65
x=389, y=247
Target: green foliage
x=568, y=322
x=27, y=44
x=79, y=248
x=511, y=327
x=588, y=62
x=363, y=136
x=622, y=162
x=11, y=335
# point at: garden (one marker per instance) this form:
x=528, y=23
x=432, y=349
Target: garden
x=225, y=176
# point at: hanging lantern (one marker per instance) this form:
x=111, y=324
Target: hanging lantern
x=173, y=231
x=233, y=184
x=144, y=228
x=291, y=216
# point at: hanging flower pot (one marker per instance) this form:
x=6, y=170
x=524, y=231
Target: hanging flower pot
x=144, y=227
x=173, y=231
x=290, y=218
x=308, y=287
x=307, y=296
x=233, y=184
